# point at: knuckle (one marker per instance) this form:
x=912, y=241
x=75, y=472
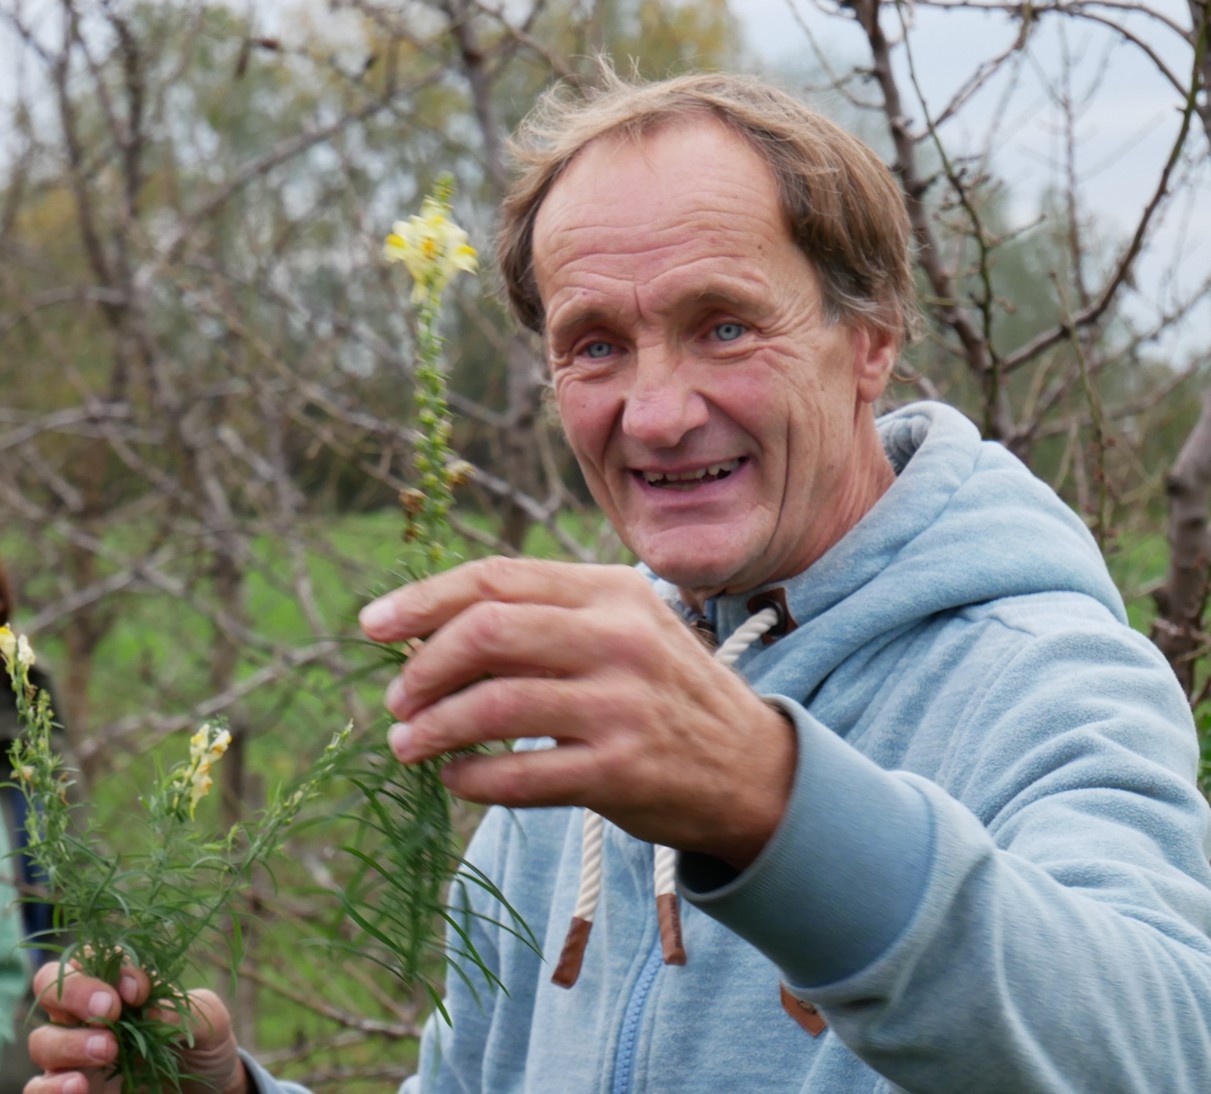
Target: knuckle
x=500, y=702
x=485, y=706
x=45, y=977
x=484, y=625
x=511, y=786
x=629, y=575
x=506, y=708
x=423, y=734
x=492, y=576
x=631, y=581
x=47, y=984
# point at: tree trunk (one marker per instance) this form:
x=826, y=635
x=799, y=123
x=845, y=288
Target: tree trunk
x=1182, y=599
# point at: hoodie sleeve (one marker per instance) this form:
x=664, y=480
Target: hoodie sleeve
x=14, y=962
x=1039, y=922
x=261, y=1082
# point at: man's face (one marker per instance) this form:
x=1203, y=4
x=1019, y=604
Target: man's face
x=722, y=425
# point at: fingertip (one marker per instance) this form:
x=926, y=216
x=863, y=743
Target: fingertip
x=100, y=1004
x=134, y=985
x=100, y=1047
x=128, y=988
x=396, y=697
x=399, y=740
x=376, y=617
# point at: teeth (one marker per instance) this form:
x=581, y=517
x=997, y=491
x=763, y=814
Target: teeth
x=714, y=470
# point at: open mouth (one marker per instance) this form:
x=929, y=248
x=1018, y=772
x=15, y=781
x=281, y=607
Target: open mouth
x=687, y=480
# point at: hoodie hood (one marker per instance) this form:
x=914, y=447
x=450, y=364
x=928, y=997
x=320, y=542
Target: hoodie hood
x=964, y=523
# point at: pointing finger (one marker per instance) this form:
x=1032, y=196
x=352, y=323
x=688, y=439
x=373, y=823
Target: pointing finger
x=419, y=609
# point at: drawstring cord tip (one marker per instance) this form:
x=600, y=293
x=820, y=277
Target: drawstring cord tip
x=669, y=916
x=567, y=970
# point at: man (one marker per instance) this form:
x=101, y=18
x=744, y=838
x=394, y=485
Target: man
x=938, y=830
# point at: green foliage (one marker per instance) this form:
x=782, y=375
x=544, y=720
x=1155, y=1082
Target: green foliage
x=399, y=893
x=152, y=901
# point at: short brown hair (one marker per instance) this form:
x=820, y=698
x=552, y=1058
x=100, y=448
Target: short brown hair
x=844, y=208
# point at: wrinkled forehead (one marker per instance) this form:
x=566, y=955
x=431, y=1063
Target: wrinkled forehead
x=650, y=154
x=684, y=176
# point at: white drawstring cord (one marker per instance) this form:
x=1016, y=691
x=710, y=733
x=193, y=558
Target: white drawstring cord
x=572, y=955
x=754, y=627
x=664, y=866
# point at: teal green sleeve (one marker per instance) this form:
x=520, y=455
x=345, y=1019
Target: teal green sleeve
x=14, y=965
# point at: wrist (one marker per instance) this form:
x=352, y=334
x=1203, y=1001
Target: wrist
x=769, y=789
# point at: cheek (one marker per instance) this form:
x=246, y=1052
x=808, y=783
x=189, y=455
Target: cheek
x=587, y=413
x=761, y=405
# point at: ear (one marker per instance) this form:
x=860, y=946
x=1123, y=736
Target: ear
x=875, y=352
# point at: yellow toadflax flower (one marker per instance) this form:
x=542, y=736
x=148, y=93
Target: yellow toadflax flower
x=205, y=746
x=15, y=651
x=199, y=787
x=432, y=247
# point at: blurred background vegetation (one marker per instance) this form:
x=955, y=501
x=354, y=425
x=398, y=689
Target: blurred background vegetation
x=205, y=368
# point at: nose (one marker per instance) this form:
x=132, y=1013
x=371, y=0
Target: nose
x=663, y=404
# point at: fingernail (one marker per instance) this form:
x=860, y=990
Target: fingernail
x=128, y=988
x=100, y=1004
x=396, y=694
x=97, y=1047
x=376, y=615
x=399, y=738
x=77, y=1084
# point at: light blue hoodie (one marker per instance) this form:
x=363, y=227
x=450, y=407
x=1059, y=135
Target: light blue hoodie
x=992, y=875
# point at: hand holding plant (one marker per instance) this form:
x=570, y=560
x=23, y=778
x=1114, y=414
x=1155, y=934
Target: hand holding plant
x=151, y=905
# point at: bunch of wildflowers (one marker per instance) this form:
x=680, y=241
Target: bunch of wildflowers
x=408, y=848
x=150, y=905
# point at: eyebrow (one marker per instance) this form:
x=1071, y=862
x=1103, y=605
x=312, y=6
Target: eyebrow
x=739, y=294
x=575, y=318
x=748, y=298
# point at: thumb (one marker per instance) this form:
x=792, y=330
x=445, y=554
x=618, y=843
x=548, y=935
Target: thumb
x=211, y=1062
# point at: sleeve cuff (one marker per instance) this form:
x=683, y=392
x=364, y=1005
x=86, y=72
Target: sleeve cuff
x=841, y=877
x=261, y=1082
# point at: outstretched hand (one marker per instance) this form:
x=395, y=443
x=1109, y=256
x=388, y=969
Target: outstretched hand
x=77, y=1051
x=650, y=731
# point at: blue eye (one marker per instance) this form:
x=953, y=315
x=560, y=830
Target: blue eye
x=729, y=332
x=597, y=350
